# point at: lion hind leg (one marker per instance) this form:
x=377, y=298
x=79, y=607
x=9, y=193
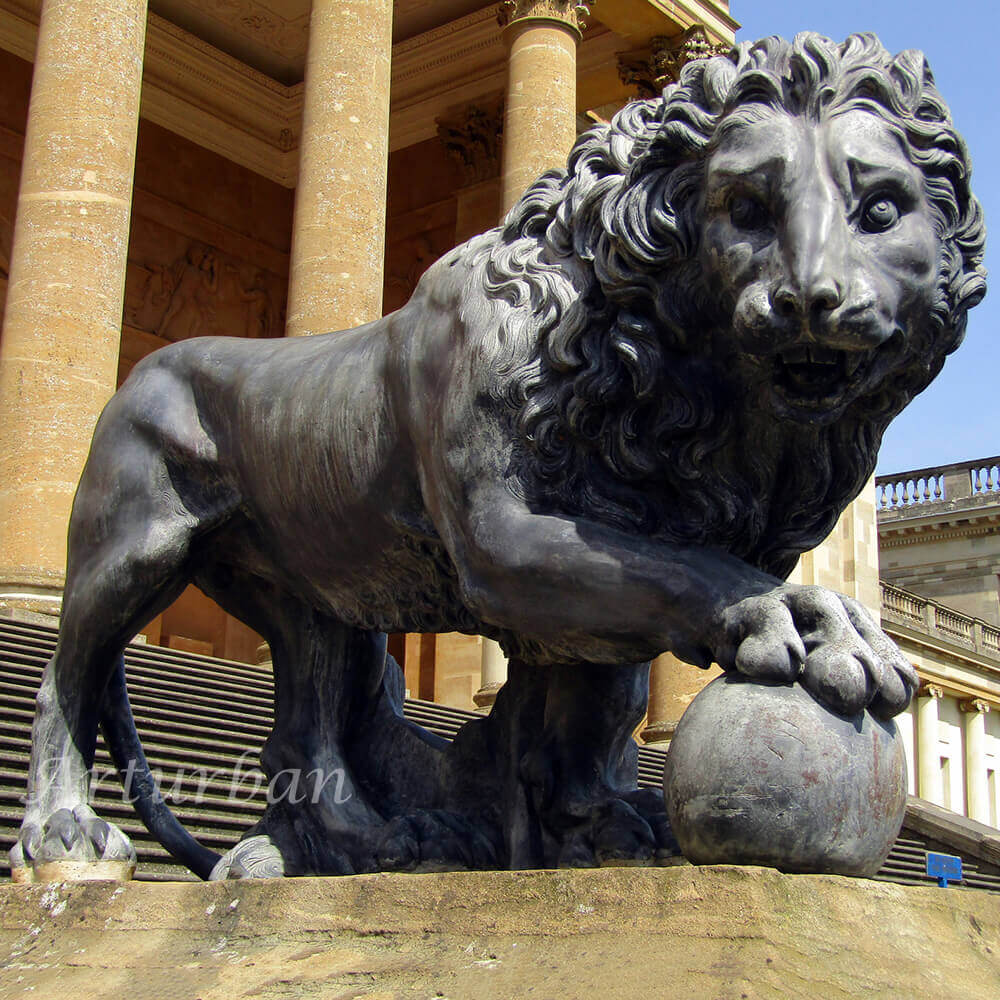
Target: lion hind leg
x=59, y=825
x=128, y=547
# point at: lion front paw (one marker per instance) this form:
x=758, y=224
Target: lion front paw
x=626, y=831
x=826, y=641
x=71, y=844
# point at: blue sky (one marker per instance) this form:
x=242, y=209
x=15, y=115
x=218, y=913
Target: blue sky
x=958, y=416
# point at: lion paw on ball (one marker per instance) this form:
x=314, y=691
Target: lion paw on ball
x=826, y=641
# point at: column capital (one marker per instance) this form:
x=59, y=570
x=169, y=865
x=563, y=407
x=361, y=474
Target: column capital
x=974, y=706
x=658, y=64
x=930, y=691
x=568, y=13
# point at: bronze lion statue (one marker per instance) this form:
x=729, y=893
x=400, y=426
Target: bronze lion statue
x=605, y=429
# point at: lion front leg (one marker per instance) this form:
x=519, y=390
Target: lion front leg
x=552, y=770
x=826, y=641
x=581, y=771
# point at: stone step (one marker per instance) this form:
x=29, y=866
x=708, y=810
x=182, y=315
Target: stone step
x=153, y=673
x=45, y=637
x=160, y=750
x=156, y=713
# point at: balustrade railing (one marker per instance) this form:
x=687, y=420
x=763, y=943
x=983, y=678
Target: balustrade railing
x=929, y=616
x=977, y=478
x=903, y=603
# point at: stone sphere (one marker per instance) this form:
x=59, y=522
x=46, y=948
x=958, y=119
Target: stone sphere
x=762, y=774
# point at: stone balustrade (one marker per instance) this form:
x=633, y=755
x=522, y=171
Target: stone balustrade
x=938, y=484
x=930, y=617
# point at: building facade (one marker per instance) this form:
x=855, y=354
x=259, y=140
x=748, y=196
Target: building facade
x=939, y=545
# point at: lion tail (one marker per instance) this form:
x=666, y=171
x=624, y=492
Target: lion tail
x=122, y=739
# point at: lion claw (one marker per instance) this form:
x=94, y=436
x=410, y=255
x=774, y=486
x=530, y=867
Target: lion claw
x=77, y=834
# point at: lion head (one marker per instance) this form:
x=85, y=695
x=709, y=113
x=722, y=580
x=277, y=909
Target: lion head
x=713, y=313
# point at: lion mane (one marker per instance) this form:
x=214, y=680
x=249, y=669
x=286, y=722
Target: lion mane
x=632, y=404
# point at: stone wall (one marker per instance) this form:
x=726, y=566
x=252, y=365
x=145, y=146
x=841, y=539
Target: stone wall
x=208, y=248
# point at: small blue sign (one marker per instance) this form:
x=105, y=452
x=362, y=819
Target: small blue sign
x=944, y=867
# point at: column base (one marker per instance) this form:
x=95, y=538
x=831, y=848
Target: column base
x=32, y=605
x=486, y=696
x=659, y=732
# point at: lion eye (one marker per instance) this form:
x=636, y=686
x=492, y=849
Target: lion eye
x=747, y=213
x=879, y=214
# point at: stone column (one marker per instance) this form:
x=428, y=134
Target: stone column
x=494, y=674
x=62, y=326
x=338, y=233
x=540, y=113
x=847, y=559
x=673, y=685
x=929, y=783
x=977, y=788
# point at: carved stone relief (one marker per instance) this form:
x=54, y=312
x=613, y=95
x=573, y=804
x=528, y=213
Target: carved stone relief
x=204, y=292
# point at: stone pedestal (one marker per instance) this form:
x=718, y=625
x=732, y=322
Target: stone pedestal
x=338, y=239
x=540, y=112
x=62, y=326
x=613, y=932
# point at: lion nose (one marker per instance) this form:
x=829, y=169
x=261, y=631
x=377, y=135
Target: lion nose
x=813, y=252
x=800, y=300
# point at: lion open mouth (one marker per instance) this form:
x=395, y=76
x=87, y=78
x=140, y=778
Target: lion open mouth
x=813, y=374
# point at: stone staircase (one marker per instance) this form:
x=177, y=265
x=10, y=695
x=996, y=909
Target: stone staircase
x=203, y=721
